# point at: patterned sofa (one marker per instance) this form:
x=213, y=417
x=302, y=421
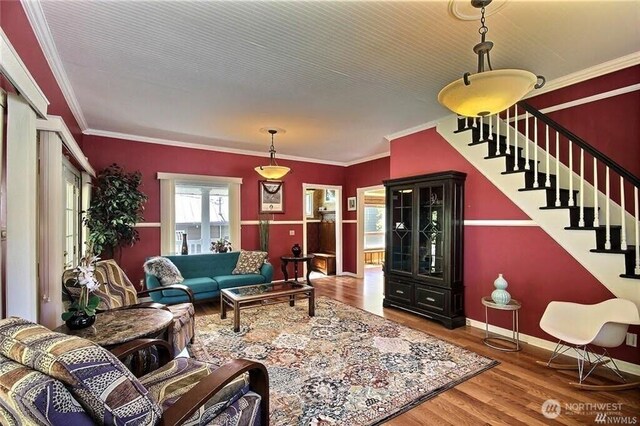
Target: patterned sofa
x=206, y=275
x=116, y=291
x=49, y=378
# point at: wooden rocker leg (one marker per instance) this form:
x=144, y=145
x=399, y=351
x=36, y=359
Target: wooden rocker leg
x=617, y=387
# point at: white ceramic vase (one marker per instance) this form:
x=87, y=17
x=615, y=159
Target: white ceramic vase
x=500, y=295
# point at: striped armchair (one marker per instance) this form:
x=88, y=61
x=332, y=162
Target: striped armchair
x=49, y=378
x=117, y=292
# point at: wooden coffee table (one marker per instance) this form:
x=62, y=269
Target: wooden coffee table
x=252, y=296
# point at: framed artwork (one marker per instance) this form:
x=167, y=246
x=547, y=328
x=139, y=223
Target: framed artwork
x=351, y=203
x=329, y=195
x=271, y=196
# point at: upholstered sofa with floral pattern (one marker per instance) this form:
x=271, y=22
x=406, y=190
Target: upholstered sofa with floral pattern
x=206, y=275
x=49, y=378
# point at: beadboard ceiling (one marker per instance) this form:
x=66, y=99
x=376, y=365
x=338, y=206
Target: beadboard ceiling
x=338, y=76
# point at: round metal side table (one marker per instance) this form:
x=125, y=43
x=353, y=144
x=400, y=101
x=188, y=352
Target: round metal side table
x=514, y=341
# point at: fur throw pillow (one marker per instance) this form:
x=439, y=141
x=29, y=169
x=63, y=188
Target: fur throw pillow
x=164, y=269
x=249, y=262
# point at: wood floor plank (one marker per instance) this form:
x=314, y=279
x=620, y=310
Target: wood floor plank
x=511, y=393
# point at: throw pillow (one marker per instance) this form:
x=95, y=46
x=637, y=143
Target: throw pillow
x=164, y=269
x=249, y=262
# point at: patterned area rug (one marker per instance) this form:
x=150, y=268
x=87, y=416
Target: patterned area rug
x=344, y=366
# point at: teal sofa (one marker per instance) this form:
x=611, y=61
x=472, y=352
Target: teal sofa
x=206, y=275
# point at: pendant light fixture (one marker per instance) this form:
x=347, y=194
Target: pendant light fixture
x=488, y=91
x=272, y=171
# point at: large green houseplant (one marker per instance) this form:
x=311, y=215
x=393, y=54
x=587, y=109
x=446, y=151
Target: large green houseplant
x=116, y=206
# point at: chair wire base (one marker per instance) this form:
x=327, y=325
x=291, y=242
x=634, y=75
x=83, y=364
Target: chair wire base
x=584, y=354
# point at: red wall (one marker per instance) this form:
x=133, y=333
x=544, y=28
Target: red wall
x=16, y=26
x=361, y=175
x=537, y=268
x=150, y=159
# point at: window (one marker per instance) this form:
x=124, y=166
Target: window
x=206, y=208
x=202, y=212
x=72, y=218
x=308, y=204
x=373, y=227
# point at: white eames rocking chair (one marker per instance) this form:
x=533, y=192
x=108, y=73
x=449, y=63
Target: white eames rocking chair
x=581, y=327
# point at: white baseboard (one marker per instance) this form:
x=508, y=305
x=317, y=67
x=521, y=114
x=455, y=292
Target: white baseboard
x=625, y=366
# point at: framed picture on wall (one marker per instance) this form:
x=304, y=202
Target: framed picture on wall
x=351, y=203
x=271, y=196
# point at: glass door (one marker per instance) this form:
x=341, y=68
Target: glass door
x=72, y=216
x=401, y=217
x=431, y=231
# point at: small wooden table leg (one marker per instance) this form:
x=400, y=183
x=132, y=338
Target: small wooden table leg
x=312, y=303
x=309, y=272
x=236, y=316
x=223, y=308
x=283, y=267
x=292, y=300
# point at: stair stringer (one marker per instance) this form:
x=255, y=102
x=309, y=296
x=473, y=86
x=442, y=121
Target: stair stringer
x=605, y=267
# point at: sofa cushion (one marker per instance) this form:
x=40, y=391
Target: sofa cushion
x=30, y=397
x=197, y=285
x=108, y=392
x=206, y=265
x=249, y=262
x=173, y=380
x=228, y=281
x=164, y=269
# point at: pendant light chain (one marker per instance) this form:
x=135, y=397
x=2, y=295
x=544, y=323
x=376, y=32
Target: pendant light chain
x=483, y=29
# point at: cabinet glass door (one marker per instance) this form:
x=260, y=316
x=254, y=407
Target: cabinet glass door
x=401, y=229
x=431, y=232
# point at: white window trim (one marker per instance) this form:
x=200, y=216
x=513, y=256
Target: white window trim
x=167, y=206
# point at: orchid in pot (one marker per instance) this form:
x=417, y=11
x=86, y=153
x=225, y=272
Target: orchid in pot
x=82, y=312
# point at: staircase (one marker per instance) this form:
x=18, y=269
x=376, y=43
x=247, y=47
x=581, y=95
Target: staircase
x=518, y=152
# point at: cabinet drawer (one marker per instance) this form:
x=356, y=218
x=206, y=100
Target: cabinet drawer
x=400, y=291
x=432, y=298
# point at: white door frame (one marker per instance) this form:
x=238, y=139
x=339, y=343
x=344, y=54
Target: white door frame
x=360, y=225
x=338, y=189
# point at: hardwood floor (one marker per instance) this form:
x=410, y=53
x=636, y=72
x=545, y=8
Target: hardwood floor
x=510, y=394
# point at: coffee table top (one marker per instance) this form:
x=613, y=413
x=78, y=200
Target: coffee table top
x=258, y=291
x=123, y=325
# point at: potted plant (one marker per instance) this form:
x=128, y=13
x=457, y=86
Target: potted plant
x=221, y=246
x=82, y=312
x=116, y=206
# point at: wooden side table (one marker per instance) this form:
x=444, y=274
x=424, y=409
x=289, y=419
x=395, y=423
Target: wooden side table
x=119, y=326
x=295, y=260
x=514, y=341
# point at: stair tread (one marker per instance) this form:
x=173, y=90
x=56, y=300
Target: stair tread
x=632, y=276
x=610, y=251
x=591, y=228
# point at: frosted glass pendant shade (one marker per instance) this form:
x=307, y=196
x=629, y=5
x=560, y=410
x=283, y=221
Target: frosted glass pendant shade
x=489, y=92
x=272, y=172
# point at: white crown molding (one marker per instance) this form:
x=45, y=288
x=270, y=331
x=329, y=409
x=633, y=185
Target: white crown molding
x=499, y=222
x=12, y=67
x=419, y=128
x=588, y=73
x=193, y=145
x=546, y=344
x=56, y=124
x=35, y=15
x=365, y=159
x=569, y=79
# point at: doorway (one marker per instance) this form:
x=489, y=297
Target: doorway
x=322, y=228
x=371, y=231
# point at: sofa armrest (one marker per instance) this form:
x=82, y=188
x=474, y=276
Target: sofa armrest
x=134, y=346
x=198, y=395
x=267, y=272
x=179, y=287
